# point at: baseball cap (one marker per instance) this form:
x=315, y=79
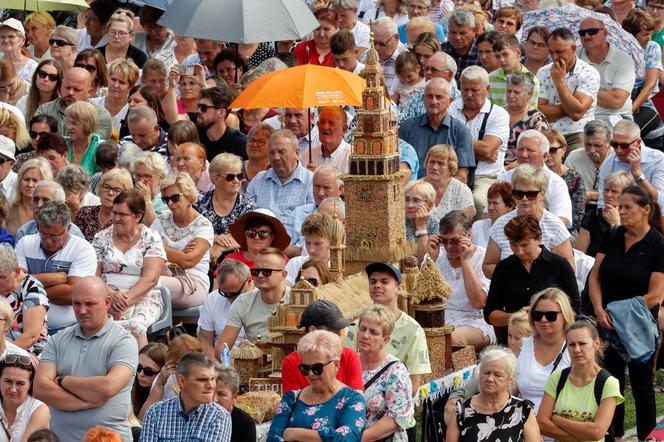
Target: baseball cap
x=14, y=24
x=384, y=267
x=323, y=313
x=7, y=147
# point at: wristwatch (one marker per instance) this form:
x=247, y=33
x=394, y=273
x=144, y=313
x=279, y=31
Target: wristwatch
x=641, y=178
x=421, y=233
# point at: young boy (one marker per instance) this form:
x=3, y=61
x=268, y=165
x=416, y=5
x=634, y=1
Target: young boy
x=344, y=51
x=508, y=53
x=317, y=231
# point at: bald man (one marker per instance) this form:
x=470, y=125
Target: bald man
x=76, y=86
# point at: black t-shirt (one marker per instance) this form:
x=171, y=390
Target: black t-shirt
x=242, y=424
x=232, y=141
x=134, y=53
x=596, y=225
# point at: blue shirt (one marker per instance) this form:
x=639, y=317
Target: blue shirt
x=419, y=133
x=408, y=155
x=167, y=421
x=297, y=219
x=441, y=34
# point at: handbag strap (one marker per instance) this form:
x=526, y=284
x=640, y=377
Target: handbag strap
x=559, y=357
x=377, y=375
x=297, y=396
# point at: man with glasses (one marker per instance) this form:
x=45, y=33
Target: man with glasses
x=419, y=8
x=388, y=46
x=234, y=279
x=145, y=132
x=644, y=164
x=252, y=310
x=213, y=132
x=615, y=67
x=460, y=42
x=507, y=50
x=64, y=46
x=57, y=259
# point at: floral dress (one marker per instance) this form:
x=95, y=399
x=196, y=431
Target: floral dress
x=505, y=425
x=124, y=269
x=341, y=418
x=577, y=193
x=87, y=219
x=221, y=223
x=534, y=120
x=390, y=395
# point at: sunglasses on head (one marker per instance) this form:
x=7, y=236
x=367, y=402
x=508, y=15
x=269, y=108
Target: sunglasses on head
x=147, y=371
x=59, y=43
x=43, y=74
x=316, y=369
x=231, y=176
x=14, y=359
x=175, y=198
x=262, y=234
x=531, y=195
x=622, y=146
x=550, y=316
x=590, y=31
x=88, y=67
x=34, y=134
x=255, y=272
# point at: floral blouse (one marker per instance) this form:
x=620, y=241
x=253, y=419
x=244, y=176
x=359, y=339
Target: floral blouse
x=87, y=220
x=534, y=120
x=504, y=425
x=221, y=224
x=341, y=418
x=390, y=395
x=577, y=193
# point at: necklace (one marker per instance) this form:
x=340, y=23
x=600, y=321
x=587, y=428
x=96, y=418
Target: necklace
x=319, y=400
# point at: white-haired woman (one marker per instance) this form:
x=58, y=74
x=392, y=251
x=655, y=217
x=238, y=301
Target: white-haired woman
x=12, y=40
x=76, y=183
x=493, y=413
x=187, y=237
x=7, y=347
x=120, y=35
x=420, y=223
x=387, y=387
x=149, y=170
x=28, y=300
x=326, y=409
x=20, y=211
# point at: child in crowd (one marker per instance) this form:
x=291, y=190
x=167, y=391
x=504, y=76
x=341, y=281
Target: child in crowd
x=518, y=328
x=411, y=80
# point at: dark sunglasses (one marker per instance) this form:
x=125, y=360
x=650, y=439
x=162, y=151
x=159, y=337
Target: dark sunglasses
x=204, y=107
x=14, y=359
x=175, y=198
x=266, y=272
x=531, y=195
x=34, y=134
x=262, y=234
x=550, y=316
x=59, y=43
x=622, y=146
x=88, y=67
x=554, y=149
x=590, y=31
x=312, y=281
x=316, y=369
x=231, y=176
x=147, y=371
x=43, y=74
x=233, y=295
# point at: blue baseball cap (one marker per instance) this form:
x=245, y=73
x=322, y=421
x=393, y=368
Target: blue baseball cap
x=384, y=267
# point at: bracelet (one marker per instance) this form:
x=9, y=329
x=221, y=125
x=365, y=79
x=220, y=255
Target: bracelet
x=421, y=233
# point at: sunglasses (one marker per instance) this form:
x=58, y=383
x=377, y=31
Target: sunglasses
x=622, y=146
x=147, y=371
x=312, y=281
x=174, y=198
x=550, y=315
x=262, y=234
x=88, y=67
x=21, y=360
x=231, y=176
x=59, y=43
x=233, y=295
x=204, y=107
x=554, y=149
x=316, y=369
x=34, y=134
x=590, y=31
x=531, y=195
x=255, y=272
x=43, y=74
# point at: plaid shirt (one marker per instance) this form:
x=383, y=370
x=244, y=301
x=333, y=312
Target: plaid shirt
x=462, y=61
x=166, y=420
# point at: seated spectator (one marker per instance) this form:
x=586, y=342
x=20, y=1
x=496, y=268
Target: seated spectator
x=93, y=61
x=7, y=175
x=148, y=171
x=225, y=394
x=151, y=359
x=340, y=409
x=41, y=125
x=145, y=95
x=387, y=388
x=507, y=21
x=461, y=40
x=81, y=140
x=230, y=66
x=319, y=47
x=332, y=125
x=257, y=159
x=20, y=210
x=484, y=43
x=409, y=81
x=93, y=219
x=28, y=301
x=14, y=34
x=101, y=434
x=214, y=133
x=43, y=436
x=187, y=237
x=52, y=148
x=157, y=42
x=123, y=74
x=120, y=35
x=7, y=347
x=21, y=413
x=420, y=197
x=107, y=159
x=130, y=258
x=196, y=380
x=254, y=231
x=15, y=88
x=500, y=201
x=518, y=327
x=316, y=273
x=5, y=236
x=75, y=181
x=45, y=87
x=144, y=130
x=387, y=45
x=508, y=53
x=39, y=25
x=318, y=232
x=57, y=259
x=189, y=158
x=182, y=131
x=13, y=127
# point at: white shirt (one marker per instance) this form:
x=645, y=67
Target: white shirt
x=338, y=158
x=359, y=67
x=498, y=125
x=85, y=42
x=90, y=199
x=116, y=120
x=361, y=33
x=8, y=186
x=213, y=315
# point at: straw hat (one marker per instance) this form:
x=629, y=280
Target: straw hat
x=280, y=237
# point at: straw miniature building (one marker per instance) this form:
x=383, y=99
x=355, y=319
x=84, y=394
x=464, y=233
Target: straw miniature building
x=246, y=359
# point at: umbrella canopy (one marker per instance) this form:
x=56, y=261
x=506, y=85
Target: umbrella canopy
x=44, y=5
x=301, y=87
x=570, y=16
x=240, y=21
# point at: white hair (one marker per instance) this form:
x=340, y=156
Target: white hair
x=532, y=134
x=59, y=191
x=627, y=127
x=496, y=353
x=387, y=24
x=474, y=73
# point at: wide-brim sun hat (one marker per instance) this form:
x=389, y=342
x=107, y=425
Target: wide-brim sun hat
x=280, y=237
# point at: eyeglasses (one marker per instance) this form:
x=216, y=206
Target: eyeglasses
x=589, y=31
x=108, y=189
x=53, y=237
x=21, y=360
x=59, y=43
x=231, y=176
x=413, y=200
x=253, y=233
x=204, y=107
x=255, y=272
x=450, y=242
x=174, y=198
x=312, y=281
x=233, y=295
x=44, y=74
x=146, y=177
x=655, y=6
x=550, y=316
x=257, y=141
x=384, y=43
x=434, y=69
x=530, y=195
x=120, y=214
x=536, y=45
x=88, y=67
x=34, y=134
x=622, y=146
x=316, y=369
x=147, y=371
x=554, y=149
x=121, y=34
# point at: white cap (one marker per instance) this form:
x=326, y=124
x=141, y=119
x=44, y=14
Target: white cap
x=7, y=147
x=13, y=24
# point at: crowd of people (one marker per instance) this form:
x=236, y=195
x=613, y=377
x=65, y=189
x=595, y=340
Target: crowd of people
x=533, y=173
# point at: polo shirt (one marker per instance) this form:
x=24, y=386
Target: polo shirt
x=498, y=83
x=470, y=58
x=76, y=355
x=56, y=109
x=497, y=124
x=361, y=32
x=578, y=161
x=418, y=133
x=251, y=312
x=338, y=158
x=350, y=371
x=232, y=141
x=616, y=71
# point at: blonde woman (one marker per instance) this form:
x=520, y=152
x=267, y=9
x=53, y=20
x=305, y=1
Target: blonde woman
x=518, y=327
x=82, y=141
x=149, y=170
x=14, y=88
x=120, y=32
x=20, y=211
x=14, y=129
x=38, y=27
x=122, y=76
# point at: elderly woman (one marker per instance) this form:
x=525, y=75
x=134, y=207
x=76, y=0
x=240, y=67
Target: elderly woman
x=598, y=221
x=326, y=409
x=76, y=183
x=123, y=74
x=225, y=394
x=476, y=417
x=499, y=201
x=225, y=204
x=532, y=267
x=93, y=219
x=420, y=224
x=45, y=87
x=13, y=88
x=7, y=347
x=130, y=258
x=523, y=116
x=64, y=43
x=120, y=35
x=255, y=231
x=528, y=187
x=28, y=301
x=190, y=158
x=575, y=186
x=395, y=9
x=387, y=388
x=82, y=119
x=537, y=52
x=441, y=164
x=93, y=61
x=317, y=51
x=258, y=160
x=20, y=211
x=38, y=27
x=12, y=40
x=149, y=170
x=629, y=265
x=187, y=237
x=151, y=359
x=190, y=87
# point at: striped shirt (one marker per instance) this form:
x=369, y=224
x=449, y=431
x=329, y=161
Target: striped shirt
x=498, y=83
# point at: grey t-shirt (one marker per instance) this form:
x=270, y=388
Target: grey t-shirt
x=249, y=311
x=75, y=355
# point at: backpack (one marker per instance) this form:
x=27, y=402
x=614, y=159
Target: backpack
x=600, y=380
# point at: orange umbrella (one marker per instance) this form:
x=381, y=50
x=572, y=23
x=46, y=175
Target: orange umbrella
x=302, y=87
